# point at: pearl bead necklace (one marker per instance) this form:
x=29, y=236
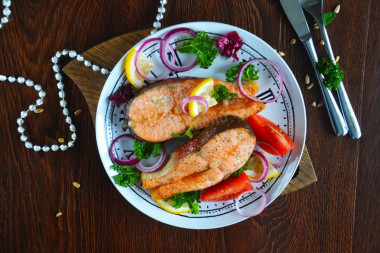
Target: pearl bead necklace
x=58, y=76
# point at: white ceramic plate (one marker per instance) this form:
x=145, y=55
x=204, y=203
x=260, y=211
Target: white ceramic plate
x=288, y=112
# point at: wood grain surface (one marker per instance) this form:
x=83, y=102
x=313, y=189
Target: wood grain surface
x=91, y=84
x=337, y=214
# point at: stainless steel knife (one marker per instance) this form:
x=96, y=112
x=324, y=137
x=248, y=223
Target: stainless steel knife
x=294, y=12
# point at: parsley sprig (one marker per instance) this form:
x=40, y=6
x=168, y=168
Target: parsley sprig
x=143, y=150
x=239, y=171
x=127, y=175
x=328, y=17
x=186, y=197
x=203, y=46
x=331, y=72
x=221, y=93
x=188, y=132
x=250, y=72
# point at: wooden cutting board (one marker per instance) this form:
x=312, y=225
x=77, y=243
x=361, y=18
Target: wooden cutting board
x=108, y=53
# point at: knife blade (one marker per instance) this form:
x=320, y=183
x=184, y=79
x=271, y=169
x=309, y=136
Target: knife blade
x=294, y=12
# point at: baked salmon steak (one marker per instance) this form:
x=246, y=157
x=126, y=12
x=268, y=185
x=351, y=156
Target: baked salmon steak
x=207, y=159
x=154, y=113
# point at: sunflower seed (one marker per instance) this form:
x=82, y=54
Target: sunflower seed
x=320, y=104
x=309, y=86
x=337, y=58
x=61, y=140
x=77, y=112
x=322, y=42
x=58, y=214
x=281, y=53
x=76, y=184
x=337, y=9
x=39, y=110
x=316, y=27
x=307, y=79
x=314, y=104
x=293, y=41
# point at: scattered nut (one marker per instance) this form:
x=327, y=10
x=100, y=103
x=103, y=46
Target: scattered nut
x=307, y=79
x=309, y=86
x=322, y=42
x=337, y=9
x=316, y=27
x=281, y=53
x=314, y=104
x=39, y=110
x=320, y=104
x=337, y=58
x=61, y=140
x=76, y=184
x=293, y=41
x=77, y=112
x=58, y=214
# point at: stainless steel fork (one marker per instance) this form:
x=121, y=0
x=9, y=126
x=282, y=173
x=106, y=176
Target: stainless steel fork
x=314, y=8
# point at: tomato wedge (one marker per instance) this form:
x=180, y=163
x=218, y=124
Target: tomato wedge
x=266, y=131
x=228, y=189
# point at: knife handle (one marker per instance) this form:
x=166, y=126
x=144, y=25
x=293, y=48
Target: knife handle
x=336, y=118
x=345, y=103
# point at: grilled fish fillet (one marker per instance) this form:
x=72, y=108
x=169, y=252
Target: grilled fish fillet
x=155, y=112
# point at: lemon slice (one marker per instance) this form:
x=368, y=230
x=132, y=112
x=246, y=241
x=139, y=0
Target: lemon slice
x=205, y=90
x=185, y=208
x=133, y=76
x=255, y=168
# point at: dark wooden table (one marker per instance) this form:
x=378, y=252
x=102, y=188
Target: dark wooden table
x=337, y=214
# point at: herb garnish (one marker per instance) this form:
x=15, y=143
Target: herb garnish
x=249, y=73
x=331, y=72
x=143, y=150
x=128, y=175
x=239, y=171
x=192, y=198
x=221, y=93
x=328, y=17
x=203, y=47
x=188, y=132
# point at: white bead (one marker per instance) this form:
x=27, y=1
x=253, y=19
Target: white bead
x=32, y=108
x=45, y=148
x=157, y=24
x=159, y=16
x=4, y=20
x=28, y=145
x=37, y=87
x=61, y=94
x=87, y=63
x=65, y=52
x=153, y=31
x=7, y=12
x=23, y=138
x=72, y=128
x=21, y=80
x=37, y=148
x=1, y=26
x=55, y=68
x=54, y=59
x=54, y=147
x=68, y=120
x=29, y=83
x=65, y=112
x=60, y=85
x=20, y=121
x=7, y=3
x=20, y=129
x=73, y=136
x=70, y=144
x=3, y=78
x=163, y=2
x=58, y=76
x=95, y=68
x=72, y=54
x=104, y=71
x=161, y=9
x=58, y=54
x=63, y=147
x=63, y=103
x=24, y=114
x=39, y=101
x=42, y=94
x=11, y=79
x=80, y=58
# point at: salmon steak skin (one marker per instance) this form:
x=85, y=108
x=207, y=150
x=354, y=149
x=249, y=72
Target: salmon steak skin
x=154, y=113
x=205, y=160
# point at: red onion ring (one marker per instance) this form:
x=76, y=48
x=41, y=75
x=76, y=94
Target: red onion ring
x=256, y=212
x=240, y=85
x=165, y=44
x=276, y=165
x=185, y=101
x=130, y=162
x=146, y=44
x=157, y=166
x=264, y=161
